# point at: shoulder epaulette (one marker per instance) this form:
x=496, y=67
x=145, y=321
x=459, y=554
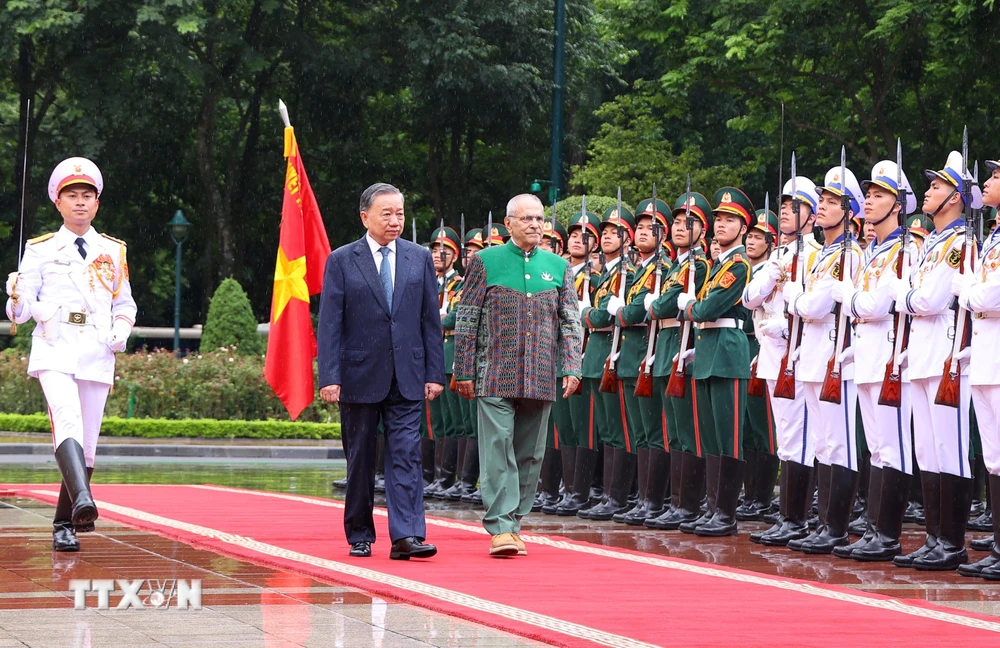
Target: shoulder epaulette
x=111, y=238
x=39, y=239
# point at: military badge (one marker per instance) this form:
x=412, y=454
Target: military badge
x=727, y=197
x=954, y=257
x=728, y=279
x=835, y=272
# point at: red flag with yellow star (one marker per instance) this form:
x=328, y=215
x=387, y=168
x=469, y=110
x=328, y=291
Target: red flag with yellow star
x=302, y=251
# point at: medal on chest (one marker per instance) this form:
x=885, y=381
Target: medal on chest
x=103, y=269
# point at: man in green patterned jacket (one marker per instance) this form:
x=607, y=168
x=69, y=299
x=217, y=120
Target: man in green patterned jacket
x=445, y=415
x=518, y=308
x=722, y=365
x=617, y=234
x=687, y=463
x=579, y=447
x=645, y=414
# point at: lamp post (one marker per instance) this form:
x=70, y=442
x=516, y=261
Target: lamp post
x=178, y=227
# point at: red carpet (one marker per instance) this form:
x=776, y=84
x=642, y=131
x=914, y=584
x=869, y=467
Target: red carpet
x=564, y=593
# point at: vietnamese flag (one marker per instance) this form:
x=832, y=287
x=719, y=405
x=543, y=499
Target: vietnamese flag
x=302, y=251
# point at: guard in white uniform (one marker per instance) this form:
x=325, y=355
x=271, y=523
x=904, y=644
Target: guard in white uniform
x=74, y=284
x=870, y=301
x=795, y=434
x=836, y=448
x=940, y=433
x=979, y=293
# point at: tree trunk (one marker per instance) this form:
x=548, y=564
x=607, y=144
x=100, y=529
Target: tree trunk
x=218, y=209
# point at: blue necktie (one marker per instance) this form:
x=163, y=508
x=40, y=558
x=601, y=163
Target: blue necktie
x=79, y=246
x=386, y=273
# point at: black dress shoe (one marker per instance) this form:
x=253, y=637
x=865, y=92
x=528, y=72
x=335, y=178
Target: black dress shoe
x=982, y=544
x=340, y=484
x=361, y=549
x=412, y=547
x=63, y=537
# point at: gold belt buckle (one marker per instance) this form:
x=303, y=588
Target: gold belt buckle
x=78, y=318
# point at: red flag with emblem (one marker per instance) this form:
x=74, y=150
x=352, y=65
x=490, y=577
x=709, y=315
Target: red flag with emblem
x=302, y=251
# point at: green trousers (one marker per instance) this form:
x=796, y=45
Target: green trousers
x=720, y=411
x=560, y=422
x=610, y=417
x=432, y=421
x=678, y=417
x=758, y=432
x=469, y=414
x=581, y=411
x=511, y=447
x=645, y=417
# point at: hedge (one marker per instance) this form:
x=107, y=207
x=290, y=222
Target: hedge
x=190, y=428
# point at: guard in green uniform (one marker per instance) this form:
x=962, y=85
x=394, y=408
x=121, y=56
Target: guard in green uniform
x=559, y=421
x=474, y=242
x=577, y=443
x=617, y=234
x=687, y=464
x=445, y=415
x=458, y=407
x=722, y=368
x=645, y=414
x=759, y=441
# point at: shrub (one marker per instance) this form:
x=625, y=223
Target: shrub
x=219, y=385
x=230, y=321
x=194, y=428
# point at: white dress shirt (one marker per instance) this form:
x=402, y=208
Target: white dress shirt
x=375, y=247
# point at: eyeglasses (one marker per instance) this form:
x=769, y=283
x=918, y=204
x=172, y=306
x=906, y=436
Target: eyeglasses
x=528, y=220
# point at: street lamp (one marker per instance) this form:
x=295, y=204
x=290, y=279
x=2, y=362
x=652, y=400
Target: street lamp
x=178, y=228
x=536, y=186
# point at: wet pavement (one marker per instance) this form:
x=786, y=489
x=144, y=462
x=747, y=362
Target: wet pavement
x=248, y=605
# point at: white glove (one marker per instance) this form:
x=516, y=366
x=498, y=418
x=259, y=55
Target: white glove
x=773, y=274
x=582, y=305
x=683, y=300
x=120, y=331
x=688, y=355
x=846, y=356
x=11, y=280
x=841, y=292
x=791, y=290
x=44, y=313
x=615, y=304
x=901, y=292
x=443, y=311
x=772, y=328
x=647, y=301
x=960, y=282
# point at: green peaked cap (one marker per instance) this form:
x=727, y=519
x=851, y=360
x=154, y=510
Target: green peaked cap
x=700, y=208
x=920, y=225
x=590, y=220
x=474, y=237
x=560, y=230
x=731, y=200
x=447, y=236
x=767, y=222
x=645, y=208
x=625, y=219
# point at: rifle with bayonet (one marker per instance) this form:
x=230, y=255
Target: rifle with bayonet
x=891, y=393
x=784, y=387
x=15, y=298
x=584, y=293
x=948, y=389
x=757, y=387
x=552, y=239
x=461, y=242
x=609, y=379
x=644, y=383
x=676, y=384
x=442, y=297
x=833, y=384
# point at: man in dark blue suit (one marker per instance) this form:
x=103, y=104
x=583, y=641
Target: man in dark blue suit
x=380, y=355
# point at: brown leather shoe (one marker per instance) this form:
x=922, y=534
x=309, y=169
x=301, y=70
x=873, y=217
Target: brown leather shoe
x=521, y=549
x=504, y=545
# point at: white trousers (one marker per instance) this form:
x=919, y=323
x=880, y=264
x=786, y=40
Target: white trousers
x=986, y=399
x=835, y=425
x=887, y=429
x=76, y=408
x=792, y=427
x=941, y=433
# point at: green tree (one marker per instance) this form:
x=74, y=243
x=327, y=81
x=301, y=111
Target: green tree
x=231, y=322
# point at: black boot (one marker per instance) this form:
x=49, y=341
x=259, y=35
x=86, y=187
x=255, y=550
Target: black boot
x=723, y=523
x=839, y=506
x=871, y=514
x=567, y=455
x=822, y=473
x=63, y=535
x=583, y=475
x=956, y=497
x=750, y=457
x=69, y=457
x=466, y=485
x=607, y=467
x=892, y=503
x=449, y=467
x=683, y=465
x=984, y=522
x=766, y=474
x=796, y=500
x=930, y=488
x=623, y=468
x=859, y=517
x=988, y=567
x=978, y=506
x=596, y=495
x=427, y=455
x=89, y=526
x=657, y=478
x=551, y=475
x=642, y=504
x=379, y=463
x=711, y=493
x=434, y=487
